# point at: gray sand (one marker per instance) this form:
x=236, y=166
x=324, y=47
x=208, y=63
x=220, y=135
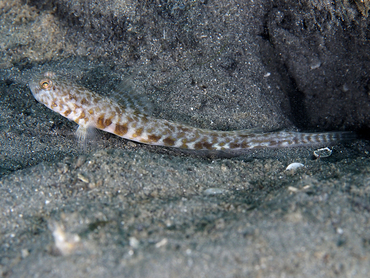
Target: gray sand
x=120, y=209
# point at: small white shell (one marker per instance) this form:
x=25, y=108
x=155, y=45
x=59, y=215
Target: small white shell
x=293, y=166
x=324, y=152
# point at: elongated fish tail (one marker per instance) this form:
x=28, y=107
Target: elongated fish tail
x=245, y=140
x=324, y=138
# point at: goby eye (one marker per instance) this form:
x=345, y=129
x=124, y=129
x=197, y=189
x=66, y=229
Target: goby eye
x=45, y=84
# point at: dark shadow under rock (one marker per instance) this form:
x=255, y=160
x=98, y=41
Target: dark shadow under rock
x=323, y=51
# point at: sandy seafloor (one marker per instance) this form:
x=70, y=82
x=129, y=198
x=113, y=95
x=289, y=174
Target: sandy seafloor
x=115, y=208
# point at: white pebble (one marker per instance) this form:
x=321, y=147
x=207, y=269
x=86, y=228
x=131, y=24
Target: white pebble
x=214, y=191
x=134, y=243
x=293, y=166
x=161, y=243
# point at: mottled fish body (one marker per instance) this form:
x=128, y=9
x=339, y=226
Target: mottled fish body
x=90, y=110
